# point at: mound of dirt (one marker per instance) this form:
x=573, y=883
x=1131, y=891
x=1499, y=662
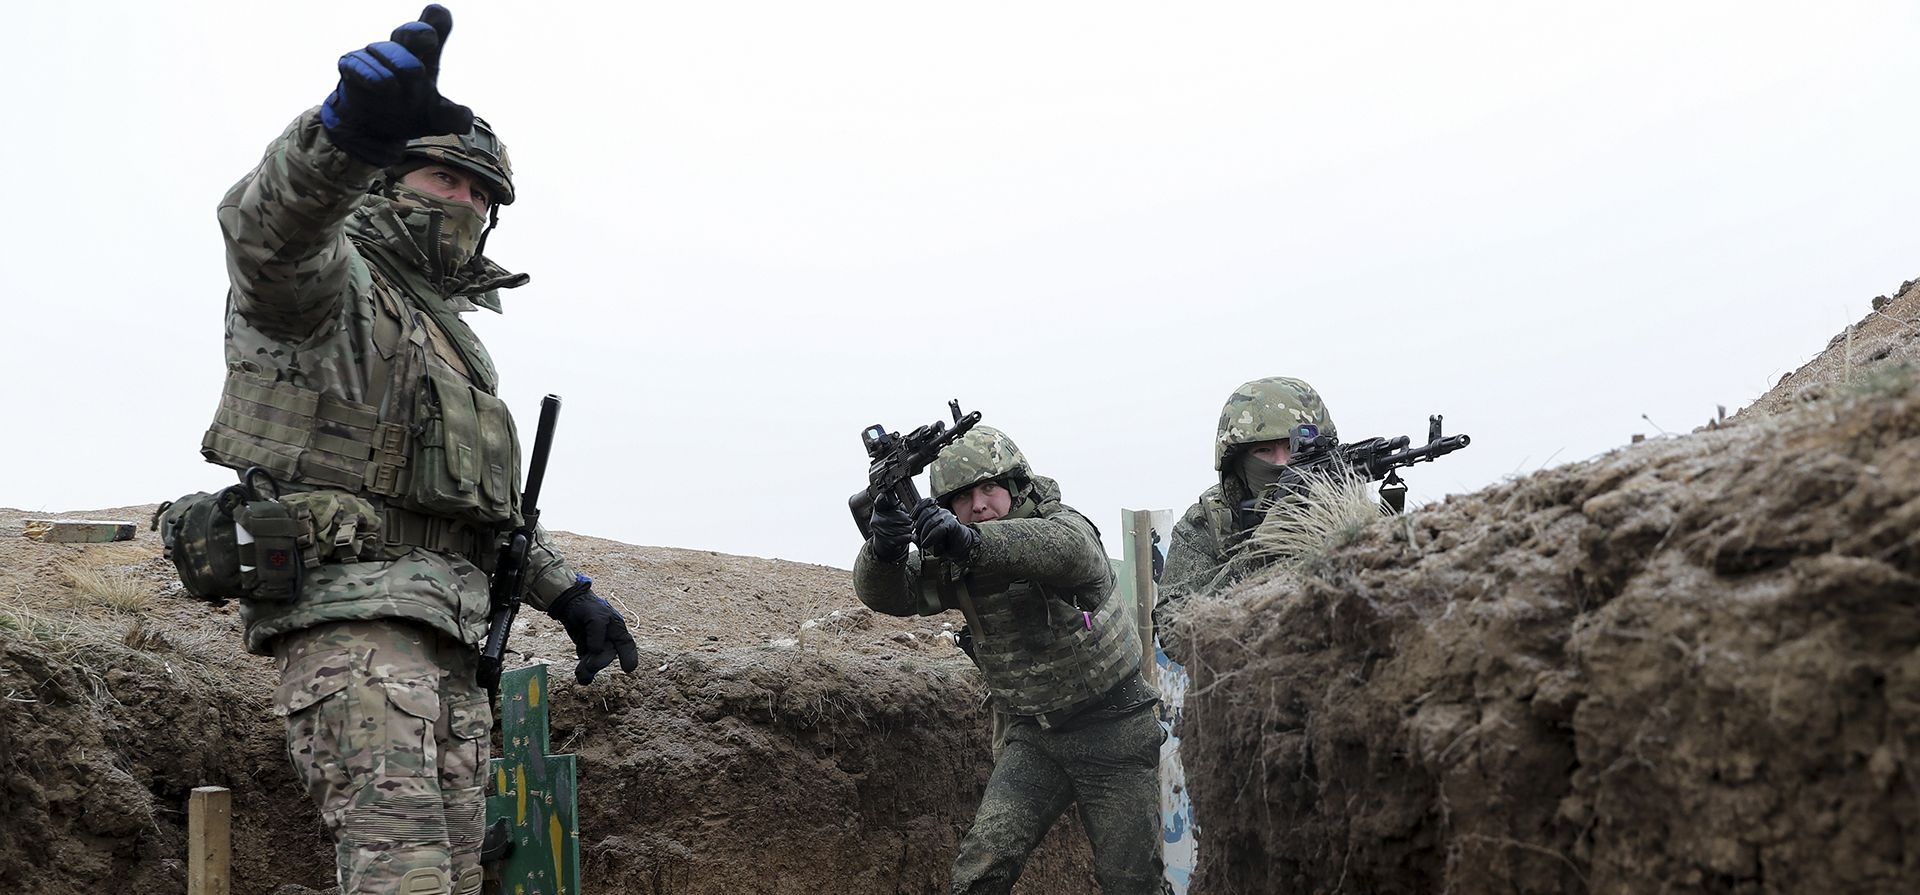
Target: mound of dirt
x=1889, y=334
x=778, y=738
x=1692, y=664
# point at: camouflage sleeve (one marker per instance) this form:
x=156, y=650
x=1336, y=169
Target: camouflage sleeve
x=1062, y=550
x=287, y=251
x=548, y=573
x=890, y=588
x=1193, y=561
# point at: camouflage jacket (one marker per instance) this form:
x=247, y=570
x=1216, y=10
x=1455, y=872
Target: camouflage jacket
x=1037, y=595
x=1202, y=556
x=325, y=282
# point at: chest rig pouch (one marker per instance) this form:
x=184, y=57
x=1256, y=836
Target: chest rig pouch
x=466, y=459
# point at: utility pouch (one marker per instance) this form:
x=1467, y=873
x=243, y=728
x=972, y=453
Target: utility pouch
x=466, y=459
x=233, y=544
x=334, y=526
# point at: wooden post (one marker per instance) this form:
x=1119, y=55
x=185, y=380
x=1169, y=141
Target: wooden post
x=209, y=841
x=1139, y=565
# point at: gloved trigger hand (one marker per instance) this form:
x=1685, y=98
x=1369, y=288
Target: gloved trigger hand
x=940, y=533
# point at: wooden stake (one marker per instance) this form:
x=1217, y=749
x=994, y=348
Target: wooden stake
x=209, y=841
x=1140, y=548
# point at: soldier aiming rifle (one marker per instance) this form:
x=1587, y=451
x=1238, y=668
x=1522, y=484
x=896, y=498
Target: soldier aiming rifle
x=1274, y=435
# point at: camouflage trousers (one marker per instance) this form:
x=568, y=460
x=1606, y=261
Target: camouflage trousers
x=389, y=731
x=1109, y=767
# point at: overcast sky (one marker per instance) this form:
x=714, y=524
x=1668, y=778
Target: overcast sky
x=754, y=229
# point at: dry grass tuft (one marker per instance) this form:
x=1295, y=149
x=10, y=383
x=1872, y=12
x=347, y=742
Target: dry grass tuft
x=1300, y=531
x=112, y=587
x=1882, y=380
x=16, y=618
x=91, y=645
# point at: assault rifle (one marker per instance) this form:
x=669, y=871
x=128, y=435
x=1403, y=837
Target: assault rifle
x=510, y=571
x=896, y=460
x=1371, y=460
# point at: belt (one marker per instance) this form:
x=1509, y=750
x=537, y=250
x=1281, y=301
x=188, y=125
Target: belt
x=406, y=528
x=1130, y=695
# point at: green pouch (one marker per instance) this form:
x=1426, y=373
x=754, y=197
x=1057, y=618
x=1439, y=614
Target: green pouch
x=232, y=544
x=500, y=470
x=465, y=459
x=334, y=526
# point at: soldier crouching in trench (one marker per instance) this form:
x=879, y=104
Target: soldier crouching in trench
x=353, y=382
x=1073, y=720
x=1250, y=449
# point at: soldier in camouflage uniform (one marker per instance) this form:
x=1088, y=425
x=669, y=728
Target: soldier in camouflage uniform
x=1074, y=722
x=351, y=378
x=1249, y=449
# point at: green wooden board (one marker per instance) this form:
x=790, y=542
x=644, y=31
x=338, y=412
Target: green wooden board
x=535, y=792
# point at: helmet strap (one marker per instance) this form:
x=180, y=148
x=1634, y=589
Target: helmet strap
x=493, y=220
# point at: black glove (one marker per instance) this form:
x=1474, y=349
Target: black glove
x=389, y=93
x=599, y=633
x=890, y=528
x=940, y=534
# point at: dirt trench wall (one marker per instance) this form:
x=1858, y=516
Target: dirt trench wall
x=789, y=773
x=725, y=765
x=1690, y=665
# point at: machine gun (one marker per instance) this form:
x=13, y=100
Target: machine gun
x=510, y=572
x=895, y=460
x=1371, y=460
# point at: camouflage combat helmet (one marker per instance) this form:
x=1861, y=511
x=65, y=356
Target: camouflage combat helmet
x=981, y=454
x=478, y=152
x=1267, y=410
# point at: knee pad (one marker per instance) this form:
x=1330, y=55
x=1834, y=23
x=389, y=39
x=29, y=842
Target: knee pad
x=469, y=882
x=424, y=881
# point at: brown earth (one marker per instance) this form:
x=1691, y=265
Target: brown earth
x=744, y=756
x=1689, y=665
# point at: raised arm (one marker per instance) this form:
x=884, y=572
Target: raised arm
x=1061, y=550
x=287, y=252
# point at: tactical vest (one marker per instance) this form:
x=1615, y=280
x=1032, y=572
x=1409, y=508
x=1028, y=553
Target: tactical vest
x=1219, y=518
x=1040, y=656
x=431, y=444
